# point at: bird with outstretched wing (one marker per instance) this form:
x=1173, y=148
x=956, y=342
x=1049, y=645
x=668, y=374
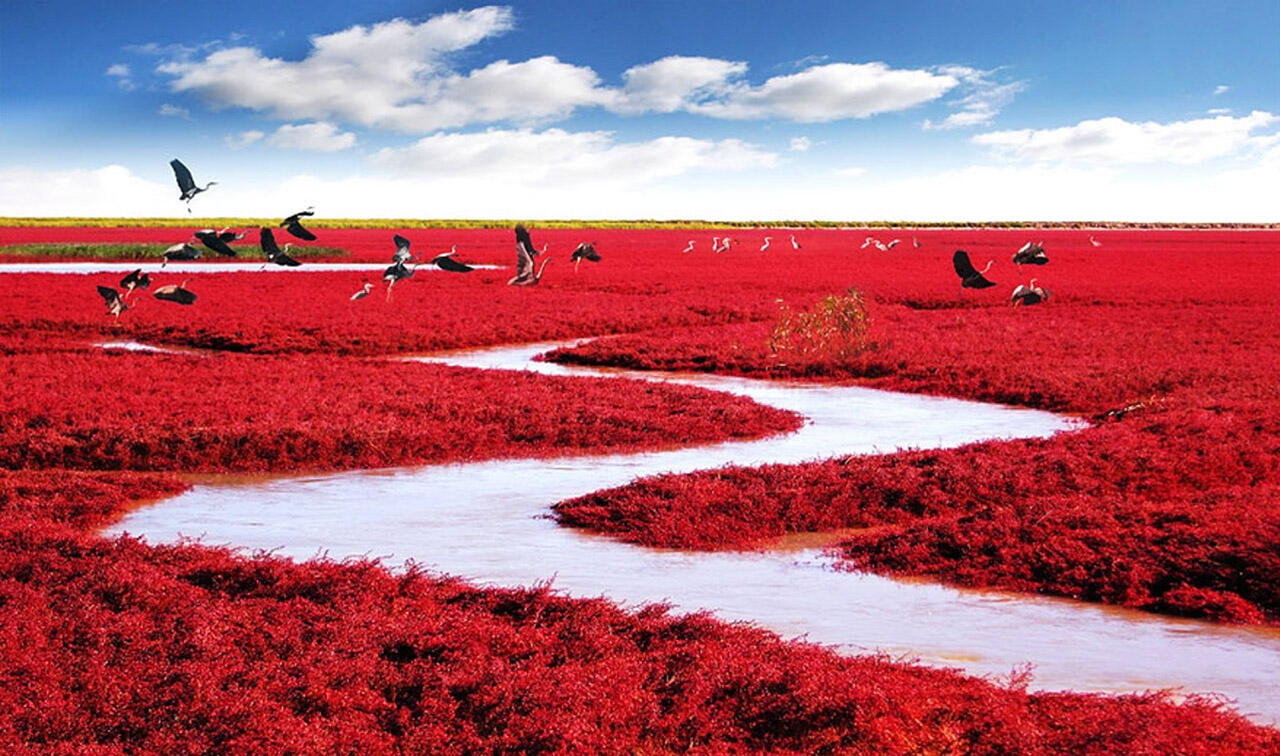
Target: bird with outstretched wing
x=970, y=277
x=293, y=224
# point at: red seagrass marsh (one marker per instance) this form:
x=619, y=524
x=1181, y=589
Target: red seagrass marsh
x=1158, y=488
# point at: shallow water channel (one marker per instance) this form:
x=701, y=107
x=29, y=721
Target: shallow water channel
x=488, y=522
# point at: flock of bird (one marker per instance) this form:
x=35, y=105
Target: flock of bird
x=1031, y=253
x=219, y=241
x=528, y=272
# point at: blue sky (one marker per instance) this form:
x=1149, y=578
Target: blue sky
x=835, y=110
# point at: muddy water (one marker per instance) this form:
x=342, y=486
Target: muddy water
x=487, y=522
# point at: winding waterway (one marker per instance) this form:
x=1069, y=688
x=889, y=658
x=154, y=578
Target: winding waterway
x=487, y=522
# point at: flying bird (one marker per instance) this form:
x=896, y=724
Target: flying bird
x=1029, y=295
x=397, y=272
x=970, y=277
x=585, y=251
x=135, y=280
x=176, y=293
x=115, y=303
x=794, y=244
x=402, y=253
x=765, y=247
x=180, y=252
x=1030, y=254
x=214, y=240
x=446, y=262
x=293, y=224
x=363, y=292
x=525, y=275
x=891, y=244
x=273, y=252
x=186, y=183
x=1094, y=241
x=690, y=247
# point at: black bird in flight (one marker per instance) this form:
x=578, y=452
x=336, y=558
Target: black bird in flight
x=187, y=184
x=971, y=277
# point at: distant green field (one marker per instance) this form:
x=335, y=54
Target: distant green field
x=499, y=223
x=146, y=251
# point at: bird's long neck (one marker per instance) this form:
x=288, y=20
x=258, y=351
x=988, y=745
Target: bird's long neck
x=989, y=264
x=545, y=262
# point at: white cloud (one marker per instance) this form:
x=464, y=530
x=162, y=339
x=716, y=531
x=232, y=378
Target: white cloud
x=108, y=191
x=675, y=83
x=243, y=139
x=1221, y=89
x=121, y=73
x=1219, y=111
x=173, y=111
x=534, y=90
x=377, y=75
x=397, y=75
x=1009, y=192
x=319, y=137
x=533, y=158
x=1115, y=140
x=851, y=172
x=983, y=98
x=829, y=92
x=800, y=144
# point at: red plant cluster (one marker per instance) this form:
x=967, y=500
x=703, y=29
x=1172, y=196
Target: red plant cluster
x=110, y=646
x=74, y=406
x=116, y=647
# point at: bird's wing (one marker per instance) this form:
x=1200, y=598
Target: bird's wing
x=523, y=237
x=180, y=172
x=284, y=259
x=296, y=228
x=524, y=260
x=218, y=245
x=453, y=266
x=964, y=268
x=108, y=294
x=268, y=241
x=1020, y=292
x=589, y=252
x=402, y=248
